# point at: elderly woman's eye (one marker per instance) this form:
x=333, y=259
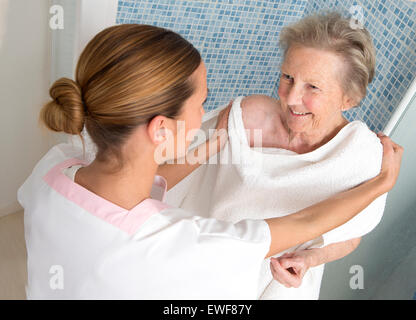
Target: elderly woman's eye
x=287, y=77
x=313, y=87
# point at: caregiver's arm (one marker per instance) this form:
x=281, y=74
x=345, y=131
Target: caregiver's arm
x=318, y=219
x=175, y=172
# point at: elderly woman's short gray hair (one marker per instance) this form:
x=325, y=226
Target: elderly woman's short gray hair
x=332, y=32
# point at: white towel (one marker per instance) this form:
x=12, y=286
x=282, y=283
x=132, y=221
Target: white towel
x=274, y=182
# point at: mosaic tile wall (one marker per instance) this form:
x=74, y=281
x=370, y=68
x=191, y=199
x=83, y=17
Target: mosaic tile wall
x=238, y=41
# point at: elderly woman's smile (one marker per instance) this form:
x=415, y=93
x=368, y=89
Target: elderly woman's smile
x=297, y=114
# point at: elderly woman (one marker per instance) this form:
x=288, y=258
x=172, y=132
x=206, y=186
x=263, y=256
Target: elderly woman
x=326, y=69
x=309, y=151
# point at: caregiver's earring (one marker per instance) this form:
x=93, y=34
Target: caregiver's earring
x=161, y=135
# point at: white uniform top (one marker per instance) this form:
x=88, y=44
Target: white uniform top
x=82, y=246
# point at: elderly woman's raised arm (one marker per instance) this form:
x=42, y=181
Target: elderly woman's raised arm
x=290, y=268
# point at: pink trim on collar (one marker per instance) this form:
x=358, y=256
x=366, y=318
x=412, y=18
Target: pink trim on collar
x=126, y=220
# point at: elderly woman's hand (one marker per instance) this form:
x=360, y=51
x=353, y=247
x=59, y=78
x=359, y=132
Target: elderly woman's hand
x=392, y=157
x=290, y=268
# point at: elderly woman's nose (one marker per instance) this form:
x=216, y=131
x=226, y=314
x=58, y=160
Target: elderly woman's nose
x=294, y=95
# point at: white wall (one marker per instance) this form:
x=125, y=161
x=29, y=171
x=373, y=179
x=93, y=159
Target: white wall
x=32, y=57
x=24, y=82
x=83, y=20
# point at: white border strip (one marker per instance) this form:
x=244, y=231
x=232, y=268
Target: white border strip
x=399, y=112
x=94, y=16
x=83, y=20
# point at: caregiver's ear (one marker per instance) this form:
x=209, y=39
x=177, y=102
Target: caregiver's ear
x=159, y=129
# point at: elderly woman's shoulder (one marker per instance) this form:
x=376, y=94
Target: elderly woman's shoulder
x=259, y=102
x=260, y=112
x=360, y=128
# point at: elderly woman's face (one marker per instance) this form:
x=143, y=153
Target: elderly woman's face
x=310, y=90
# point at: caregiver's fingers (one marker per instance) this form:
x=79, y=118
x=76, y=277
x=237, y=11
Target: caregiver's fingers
x=391, y=150
x=392, y=157
x=221, y=133
x=386, y=141
x=222, y=122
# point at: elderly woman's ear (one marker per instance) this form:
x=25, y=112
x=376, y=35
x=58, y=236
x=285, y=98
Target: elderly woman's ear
x=348, y=103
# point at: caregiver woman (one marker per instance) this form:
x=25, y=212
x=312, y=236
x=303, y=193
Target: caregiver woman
x=101, y=229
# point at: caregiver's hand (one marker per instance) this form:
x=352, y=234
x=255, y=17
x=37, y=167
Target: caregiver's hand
x=220, y=135
x=290, y=268
x=174, y=173
x=222, y=122
x=392, y=157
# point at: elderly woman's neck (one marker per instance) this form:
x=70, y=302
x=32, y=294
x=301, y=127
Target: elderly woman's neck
x=304, y=142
